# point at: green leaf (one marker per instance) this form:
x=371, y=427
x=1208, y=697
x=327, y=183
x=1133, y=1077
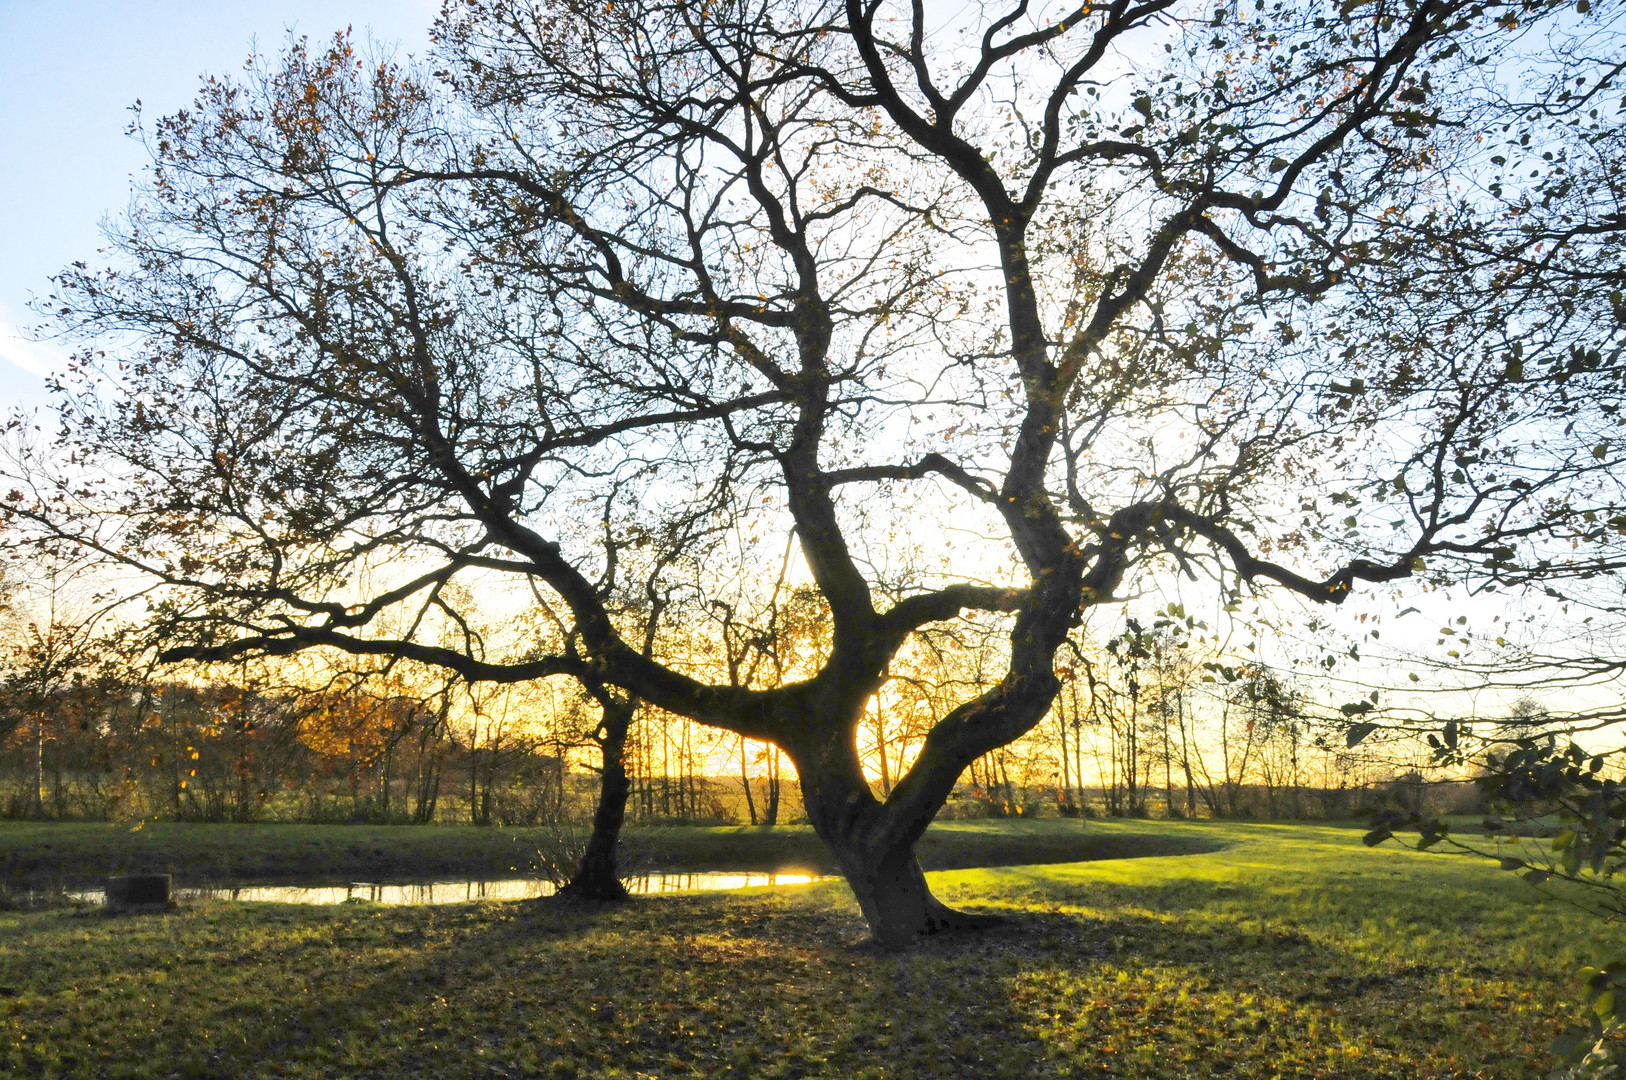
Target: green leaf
x=1376, y=837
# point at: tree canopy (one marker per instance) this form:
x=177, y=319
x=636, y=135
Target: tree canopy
x=996, y=313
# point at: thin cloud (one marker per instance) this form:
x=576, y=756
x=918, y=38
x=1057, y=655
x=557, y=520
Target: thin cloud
x=41, y=358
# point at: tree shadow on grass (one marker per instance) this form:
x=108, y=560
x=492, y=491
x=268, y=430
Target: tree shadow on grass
x=968, y=850
x=762, y=985
x=776, y=984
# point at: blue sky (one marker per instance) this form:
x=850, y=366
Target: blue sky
x=69, y=71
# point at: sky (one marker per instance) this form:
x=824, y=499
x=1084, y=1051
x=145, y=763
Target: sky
x=69, y=72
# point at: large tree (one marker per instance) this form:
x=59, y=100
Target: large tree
x=1083, y=292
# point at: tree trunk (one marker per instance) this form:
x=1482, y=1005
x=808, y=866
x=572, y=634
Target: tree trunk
x=770, y=816
x=1065, y=796
x=1007, y=798
x=1113, y=806
x=1168, y=778
x=880, y=749
x=666, y=767
x=1185, y=762
x=39, y=766
x=1132, y=751
x=893, y=895
x=384, y=789
x=745, y=783
x=598, y=877
x=874, y=850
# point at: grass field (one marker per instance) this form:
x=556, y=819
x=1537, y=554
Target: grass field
x=1293, y=952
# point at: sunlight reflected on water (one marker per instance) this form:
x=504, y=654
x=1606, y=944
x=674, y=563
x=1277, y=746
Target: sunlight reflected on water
x=459, y=892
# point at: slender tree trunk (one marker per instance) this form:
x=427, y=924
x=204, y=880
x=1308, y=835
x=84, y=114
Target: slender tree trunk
x=1185, y=762
x=880, y=749
x=902, y=744
x=1078, y=745
x=1113, y=807
x=647, y=771
x=1065, y=795
x=384, y=787
x=745, y=784
x=1298, y=805
x=177, y=784
x=598, y=877
x=1168, y=779
x=1132, y=758
x=39, y=765
x=1078, y=761
x=771, y=817
x=666, y=767
x=680, y=748
x=633, y=764
x=429, y=765
x=1008, y=796
x=692, y=813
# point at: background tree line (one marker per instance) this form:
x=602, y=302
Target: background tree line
x=1147, y=724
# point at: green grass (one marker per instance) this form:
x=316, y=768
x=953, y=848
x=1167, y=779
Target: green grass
x=1294, y=952
x=44, y=853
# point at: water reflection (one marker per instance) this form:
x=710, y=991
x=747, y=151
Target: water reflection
x=459, y=892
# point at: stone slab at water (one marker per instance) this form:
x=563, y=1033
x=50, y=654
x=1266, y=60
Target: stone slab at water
x=138, y=892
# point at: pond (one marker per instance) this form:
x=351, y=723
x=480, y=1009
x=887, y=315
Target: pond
x=459, y=892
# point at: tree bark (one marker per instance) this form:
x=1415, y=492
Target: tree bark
x=599, y=875
x=770, y=816
x=873, y=845
x=745, y=783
